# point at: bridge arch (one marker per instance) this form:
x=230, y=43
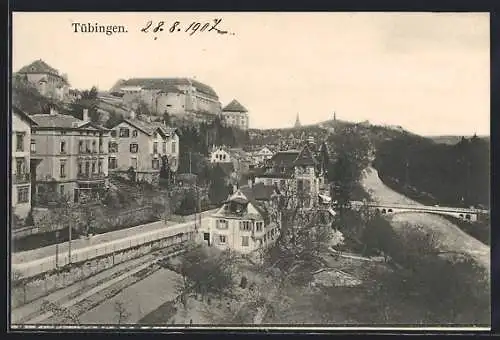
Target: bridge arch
x=390, y=210
x=383, y=211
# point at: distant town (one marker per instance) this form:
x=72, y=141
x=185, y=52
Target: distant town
x=153, y=203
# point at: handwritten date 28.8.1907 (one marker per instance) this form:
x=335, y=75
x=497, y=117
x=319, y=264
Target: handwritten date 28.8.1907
x=190, y=28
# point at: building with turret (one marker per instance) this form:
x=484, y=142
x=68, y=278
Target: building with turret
x=236, y=115
x=46, y=79
x=175, y=96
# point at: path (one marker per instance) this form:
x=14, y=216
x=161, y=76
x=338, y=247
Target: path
x=449, y=236
x=35, y=254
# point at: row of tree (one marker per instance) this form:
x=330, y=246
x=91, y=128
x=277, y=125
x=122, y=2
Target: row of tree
x=449, y=174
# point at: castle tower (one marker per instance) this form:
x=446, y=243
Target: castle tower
x=297, y=121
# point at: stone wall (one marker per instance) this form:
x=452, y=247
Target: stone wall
x=26, y=290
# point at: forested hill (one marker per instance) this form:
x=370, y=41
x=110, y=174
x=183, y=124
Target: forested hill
x=456, y=175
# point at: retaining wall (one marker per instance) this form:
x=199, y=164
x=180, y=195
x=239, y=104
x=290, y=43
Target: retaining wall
x=40, y=285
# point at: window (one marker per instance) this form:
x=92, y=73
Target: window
x=19, y=141
x=155, y=135
x=156, y=164
x=113, y=133
x=245, y=225
x=62, y=169
x=134, y=147
x=221, y=224
x=99, y=167
x=112, y=163
x=155, y=147
x=93, y=167
x=94, y=146
x=124, y=132
x=20, y=169
x=33, y=146
x=174, y=146
x=23, y=194
x=244, y=241
x=87, y=168
x=258, y=226
x=63, y=146
x=133, y=163
x=61, y=190
x=81, y=146
x=164, y=147
x=222, y=239
x=134, y=133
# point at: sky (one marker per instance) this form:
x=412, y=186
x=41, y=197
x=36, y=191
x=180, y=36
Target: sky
x=427, y=72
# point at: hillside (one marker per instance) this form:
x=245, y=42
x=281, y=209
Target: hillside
x=451, y=140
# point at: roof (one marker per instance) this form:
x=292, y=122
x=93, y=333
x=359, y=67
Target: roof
x=59, y=121
x=285, y=158
x=55, y=120
x=234, y=106
x=40, y=66
x=259, y=192
x=23, y=115
x=151, y=127
x=168, y=84
x=306, y=157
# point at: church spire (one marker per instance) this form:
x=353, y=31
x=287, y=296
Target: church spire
x=297, y=121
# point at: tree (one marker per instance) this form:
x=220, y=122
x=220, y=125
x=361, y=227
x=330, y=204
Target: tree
x=167, y=119
x=90, y=94
x=122, y=314
x=218, y=189
x=206, y=275
x=302, y=239
x=346, y=169
x=165, y=172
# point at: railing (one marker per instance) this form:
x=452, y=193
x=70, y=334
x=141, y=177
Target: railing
x=95, y=176
x=21, y=178
x=35, y=267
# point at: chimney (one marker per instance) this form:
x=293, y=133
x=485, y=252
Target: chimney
x=132, y=114
x=53, y=111
x=85, y=115
x=235, y=188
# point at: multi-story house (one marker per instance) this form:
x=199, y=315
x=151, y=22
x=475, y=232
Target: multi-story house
x=20, y=162
x=143, y=146
x=219, y=155
x=177, y=96
x=294, y=172
x=48, y=81
x=235, y=114
x=241, y=224
x=262, y=155
x=70, y=156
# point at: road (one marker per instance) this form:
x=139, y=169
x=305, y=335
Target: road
x=39, y=253
x=449, y=236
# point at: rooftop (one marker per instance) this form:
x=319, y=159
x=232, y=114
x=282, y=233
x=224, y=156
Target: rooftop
x=150, y=127
x=234, y=106
x=40, y=66
x=168, y=84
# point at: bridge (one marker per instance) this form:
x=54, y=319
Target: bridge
x=465, y=214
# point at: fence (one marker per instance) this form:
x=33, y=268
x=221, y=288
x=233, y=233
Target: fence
x=46, y=264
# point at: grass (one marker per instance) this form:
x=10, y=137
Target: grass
x=161, y=315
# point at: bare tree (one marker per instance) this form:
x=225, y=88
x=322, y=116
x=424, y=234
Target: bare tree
x=122, y=314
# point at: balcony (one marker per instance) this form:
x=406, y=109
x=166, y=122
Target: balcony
x=88, y=177
x=21, y=178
